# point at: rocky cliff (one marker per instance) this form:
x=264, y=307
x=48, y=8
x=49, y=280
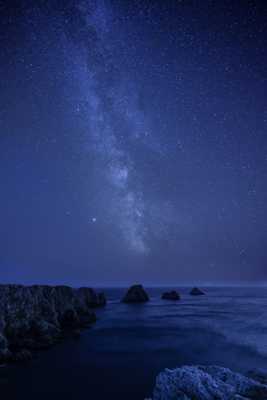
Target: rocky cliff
x=34, y=317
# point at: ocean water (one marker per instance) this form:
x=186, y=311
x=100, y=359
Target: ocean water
x=120, y=356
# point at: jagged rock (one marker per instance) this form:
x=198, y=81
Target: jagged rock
x=135, y=294
x=34, y=317
x=196, y=292
x=42, y=328
x=172, y=295
x=206, y=383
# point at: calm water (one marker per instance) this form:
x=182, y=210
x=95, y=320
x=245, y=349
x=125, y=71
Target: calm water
x=121, y=355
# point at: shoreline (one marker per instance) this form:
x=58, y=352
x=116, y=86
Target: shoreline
x=120, y=339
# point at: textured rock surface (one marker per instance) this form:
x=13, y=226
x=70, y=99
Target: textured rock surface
x=206, y=383
x=135, y=294
x=196, y=292
x=172, y=295
x=259, y=375
x=34, y=317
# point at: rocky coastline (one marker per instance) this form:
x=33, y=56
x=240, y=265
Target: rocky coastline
x=36, y=317
x=209, y=383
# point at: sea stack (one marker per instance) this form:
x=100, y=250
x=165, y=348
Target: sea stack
x=196, y=292
x=172, y=295
x=135, y=294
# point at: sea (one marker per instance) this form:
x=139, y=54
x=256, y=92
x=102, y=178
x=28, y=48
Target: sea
x=120, y=356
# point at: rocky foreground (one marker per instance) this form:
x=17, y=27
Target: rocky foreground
x=209, y=383
x=35, y=317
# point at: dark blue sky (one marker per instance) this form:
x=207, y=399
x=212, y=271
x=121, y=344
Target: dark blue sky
x=133, y=142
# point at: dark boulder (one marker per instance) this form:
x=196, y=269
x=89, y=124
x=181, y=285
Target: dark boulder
x=172, y=295
x=135, y=294
x=196, y=292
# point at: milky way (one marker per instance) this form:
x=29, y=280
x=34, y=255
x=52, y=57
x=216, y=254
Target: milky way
x=116, y=123
x=133, y=141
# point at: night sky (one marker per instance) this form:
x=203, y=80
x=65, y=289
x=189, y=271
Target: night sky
x=133, y=142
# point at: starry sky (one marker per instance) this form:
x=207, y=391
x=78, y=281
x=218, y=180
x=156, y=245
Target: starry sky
x=133, y=143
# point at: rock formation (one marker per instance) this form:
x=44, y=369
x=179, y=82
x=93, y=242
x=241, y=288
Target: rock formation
x=172, y=295
x=207, y=383
x=34, y=317
x=135, y=294
x=196, y=292
x=259, y=375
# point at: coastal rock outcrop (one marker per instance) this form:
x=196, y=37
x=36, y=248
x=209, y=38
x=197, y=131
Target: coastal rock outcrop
x=196, y=292
x=34, y=317
x=135, y=294
x=258, y=374
x=207, y=383
x=172, y=295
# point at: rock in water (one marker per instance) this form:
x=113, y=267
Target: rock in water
x=135, y=294
x=37, y=316
x=172, y=295
x=196, y=292
x=207, y=383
